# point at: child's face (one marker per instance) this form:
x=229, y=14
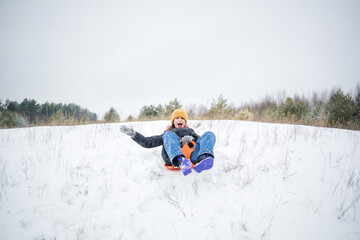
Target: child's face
x=179, y=122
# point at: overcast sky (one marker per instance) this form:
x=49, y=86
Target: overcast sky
x=128, y=53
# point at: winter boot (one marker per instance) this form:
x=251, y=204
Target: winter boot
x=185, y=165
x=205, y=162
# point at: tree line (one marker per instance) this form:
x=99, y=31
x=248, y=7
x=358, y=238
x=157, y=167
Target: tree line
x=337, y=109
x=29, y=112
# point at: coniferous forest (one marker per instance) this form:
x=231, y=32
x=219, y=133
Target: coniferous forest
x=31, y=113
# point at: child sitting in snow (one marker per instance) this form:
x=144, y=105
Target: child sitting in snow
x=202, y=156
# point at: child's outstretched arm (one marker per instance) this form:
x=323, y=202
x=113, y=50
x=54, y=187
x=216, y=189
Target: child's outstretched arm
x=146, y=142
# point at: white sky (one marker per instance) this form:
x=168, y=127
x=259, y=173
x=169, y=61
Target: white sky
x=127, y=53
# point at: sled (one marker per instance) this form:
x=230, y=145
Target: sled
x=187, y=150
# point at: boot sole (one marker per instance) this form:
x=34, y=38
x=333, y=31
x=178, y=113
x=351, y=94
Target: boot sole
x=205, y=164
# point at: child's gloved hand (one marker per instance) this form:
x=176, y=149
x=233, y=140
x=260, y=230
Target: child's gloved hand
x=187, y=139
x=128, y=130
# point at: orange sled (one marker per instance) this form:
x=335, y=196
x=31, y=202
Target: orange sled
x=187, y=150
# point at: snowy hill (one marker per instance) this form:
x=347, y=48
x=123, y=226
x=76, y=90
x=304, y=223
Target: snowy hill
x=269, y=181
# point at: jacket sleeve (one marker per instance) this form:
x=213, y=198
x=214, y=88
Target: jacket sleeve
x=148, y=142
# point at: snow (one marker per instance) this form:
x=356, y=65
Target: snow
x=269, y=181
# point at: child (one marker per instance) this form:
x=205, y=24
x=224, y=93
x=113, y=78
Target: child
x=202, y=156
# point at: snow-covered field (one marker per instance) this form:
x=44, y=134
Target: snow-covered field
x=269, y=181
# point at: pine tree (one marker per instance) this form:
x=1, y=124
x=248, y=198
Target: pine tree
x=172, y=106
x=219, y=107
x=341, y=108
x=112, y=116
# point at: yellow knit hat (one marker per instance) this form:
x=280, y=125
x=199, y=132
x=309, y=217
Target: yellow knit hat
x=179, y=113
